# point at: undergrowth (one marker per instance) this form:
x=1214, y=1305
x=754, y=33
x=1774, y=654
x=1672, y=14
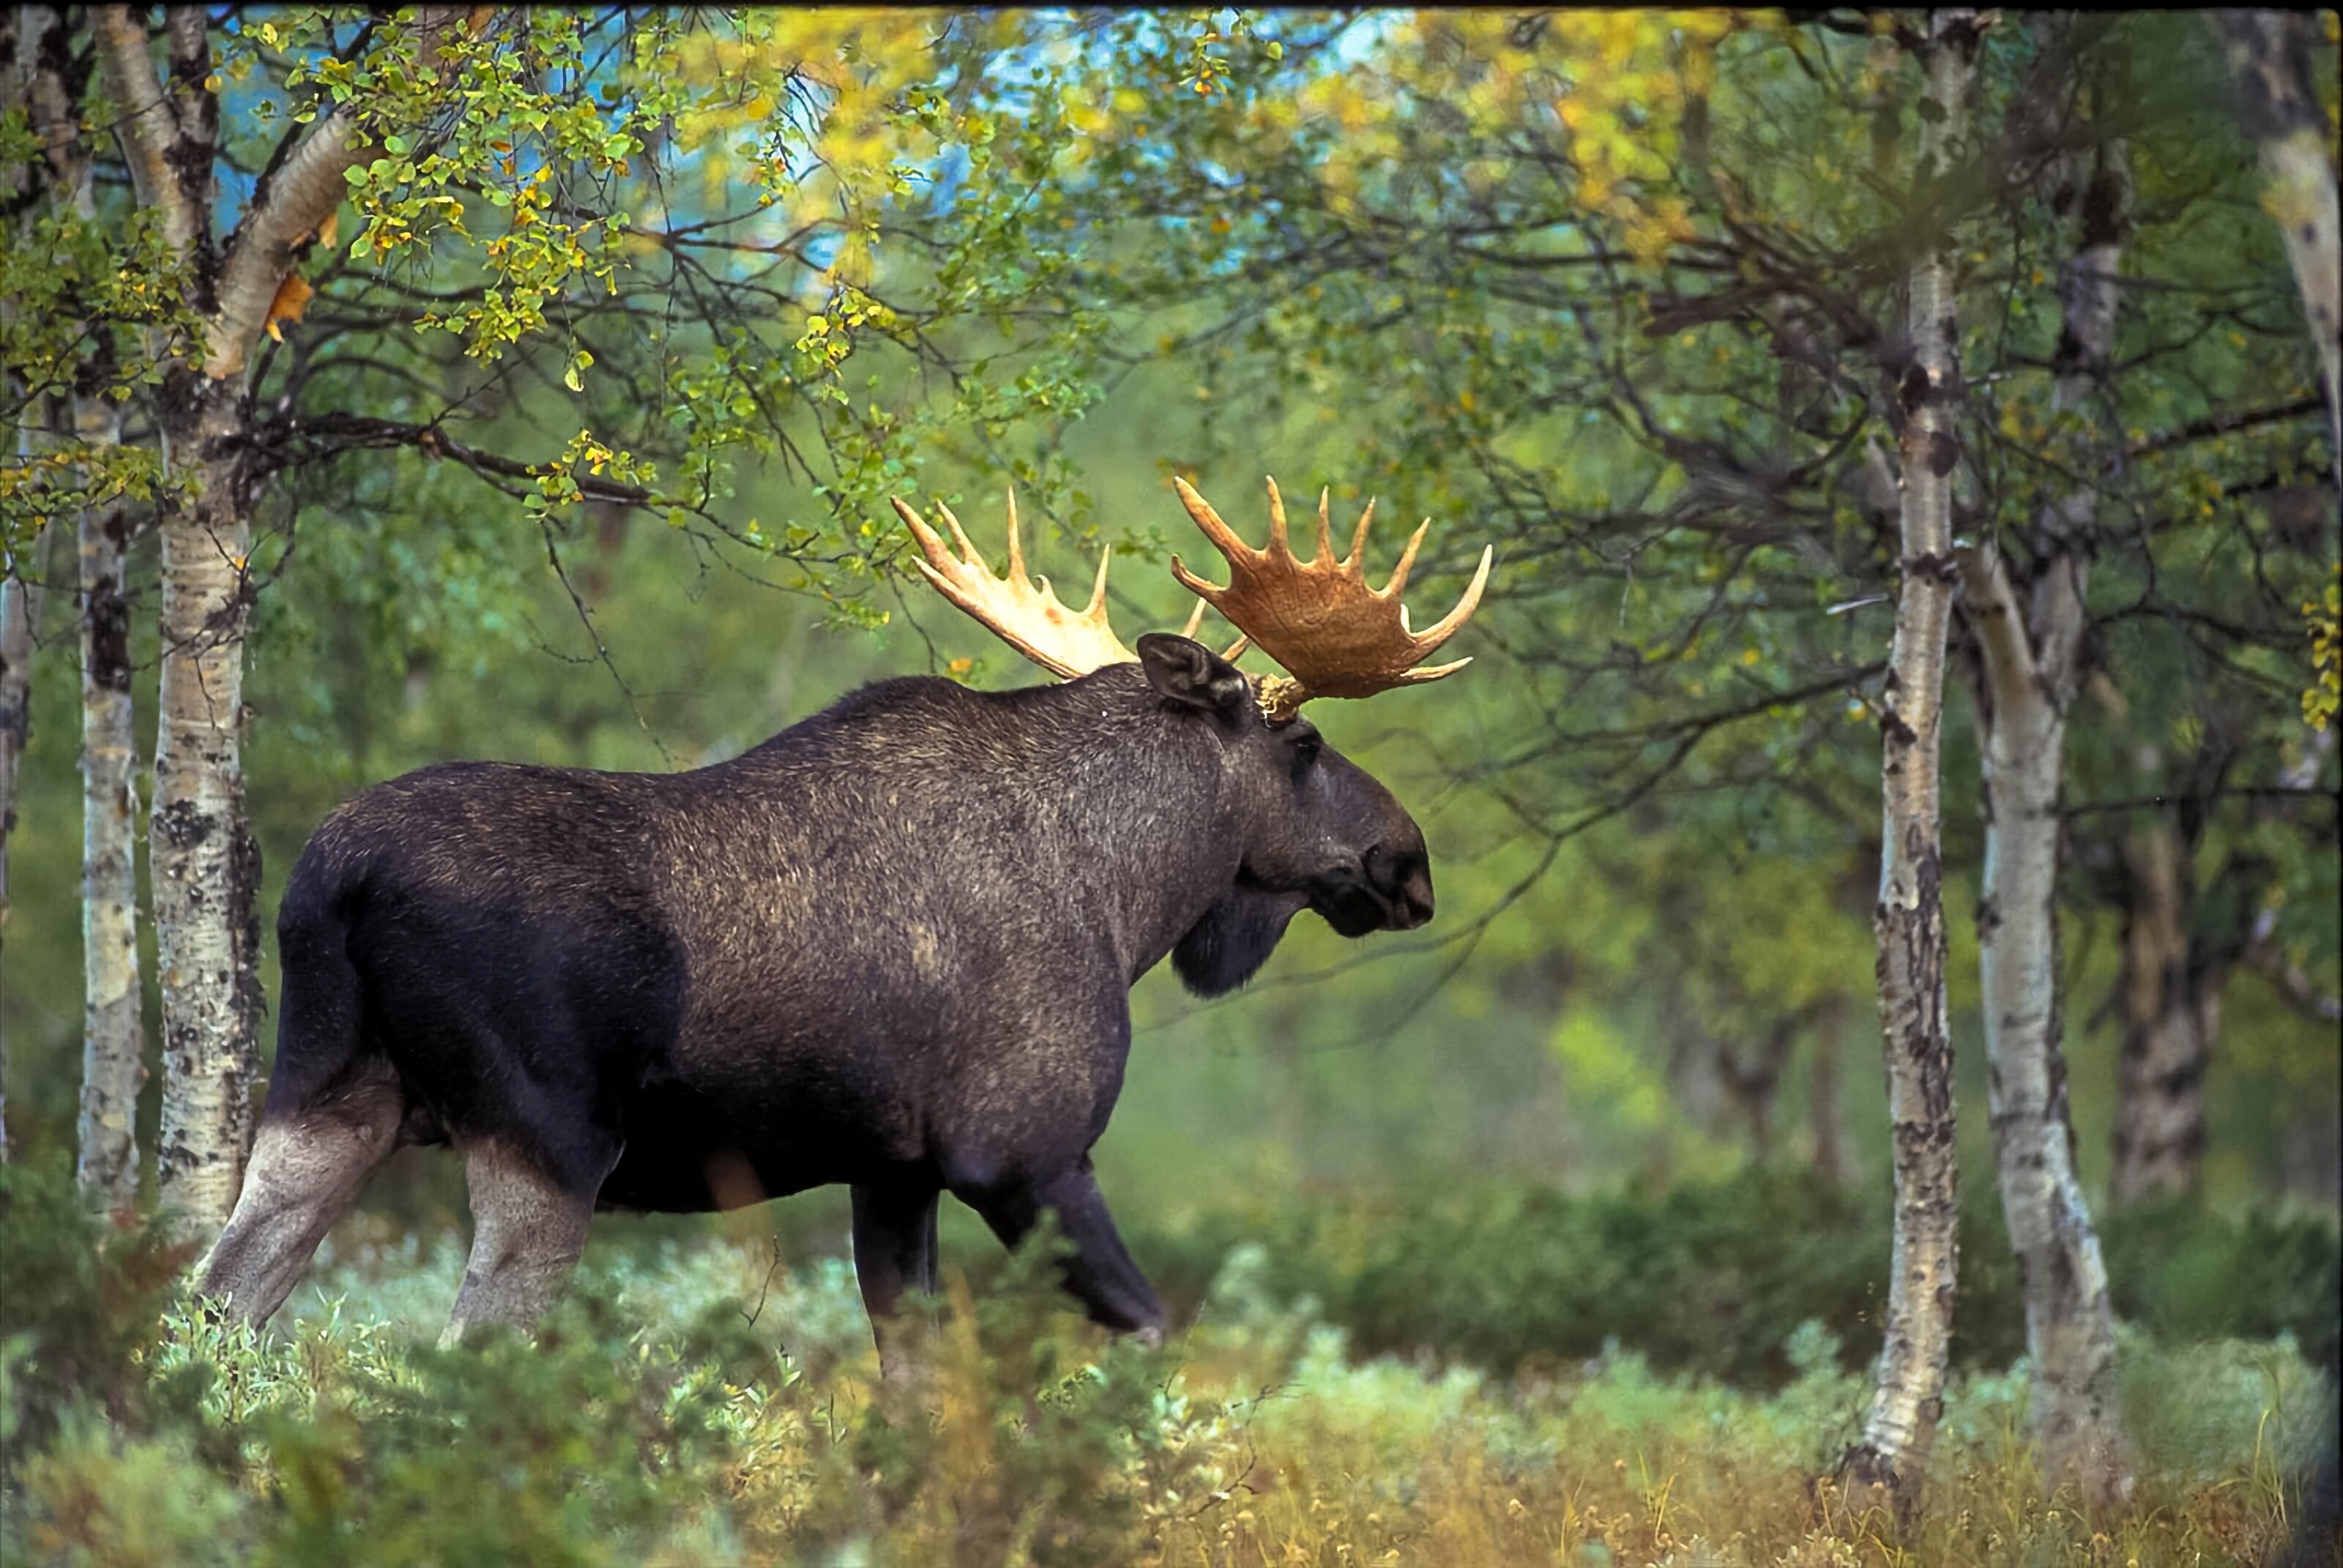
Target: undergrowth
x=692, y=1404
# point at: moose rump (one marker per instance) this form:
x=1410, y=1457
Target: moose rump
x=890, y=947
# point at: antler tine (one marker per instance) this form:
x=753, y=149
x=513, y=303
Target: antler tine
x=1016, y=546
x=1224, y=538
x=1406, y=564
x=1277, y=544
x=968, y=551
x=1357, y=559
x=1325, y=550
x=1098, y=588
x=1439, y=631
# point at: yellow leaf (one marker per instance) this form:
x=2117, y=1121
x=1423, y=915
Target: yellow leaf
x=292, y=299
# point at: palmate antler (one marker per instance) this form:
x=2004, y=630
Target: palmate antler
x=1025, y=616
x=1334, y=634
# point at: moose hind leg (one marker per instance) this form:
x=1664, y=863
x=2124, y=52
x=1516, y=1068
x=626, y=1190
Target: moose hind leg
x=528, y=1232
x=306, y=1169
x=1101, y=1272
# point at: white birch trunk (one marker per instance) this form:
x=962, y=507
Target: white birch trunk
x=114, y=1034
x=2270, y=57
x=205, y=868
x=113, y=1027
x=1908, y=1398
x=2027, y=683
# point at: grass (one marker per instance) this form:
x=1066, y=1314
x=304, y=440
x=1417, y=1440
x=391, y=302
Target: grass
x=693, y=1403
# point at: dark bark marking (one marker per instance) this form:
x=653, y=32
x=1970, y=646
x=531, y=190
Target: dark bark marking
x=1944, y=453
x=183, y=827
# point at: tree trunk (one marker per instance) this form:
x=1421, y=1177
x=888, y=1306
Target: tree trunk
x=1908, y=1398
x=2024, y=690
x=2171, y=1000
x=113, y=1028
x=2025, y=682
x=2270, y=57
x=204, y=871
x=205, y=864
x=23, y=28
x=114, y=1034
x=19, y=605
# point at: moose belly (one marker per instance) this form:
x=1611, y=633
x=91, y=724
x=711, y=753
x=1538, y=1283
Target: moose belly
x=691, y=1148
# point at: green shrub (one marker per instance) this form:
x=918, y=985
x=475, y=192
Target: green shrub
x=2183, y=1273
x=81, y=1298
x=1717, y=1279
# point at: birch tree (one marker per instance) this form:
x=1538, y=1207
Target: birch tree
x=2029, y=644
x=1907, y=1398
x=113, y=1032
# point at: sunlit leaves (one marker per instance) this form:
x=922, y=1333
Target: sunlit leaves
x=2320, y=699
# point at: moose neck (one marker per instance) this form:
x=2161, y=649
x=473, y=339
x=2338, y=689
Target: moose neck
x=1139, y=793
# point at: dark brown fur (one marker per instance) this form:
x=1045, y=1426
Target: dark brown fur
x=890, y=947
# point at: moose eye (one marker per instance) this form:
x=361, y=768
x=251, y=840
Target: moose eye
x=1305, y=751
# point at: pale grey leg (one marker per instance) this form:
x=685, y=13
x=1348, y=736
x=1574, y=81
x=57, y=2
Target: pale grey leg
x=526, y=1234
x=305, y=1173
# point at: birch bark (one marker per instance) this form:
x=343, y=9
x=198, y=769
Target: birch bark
x=2269, y=56
x=2028, y=651
x=113, y=1032
x=1907, y=1398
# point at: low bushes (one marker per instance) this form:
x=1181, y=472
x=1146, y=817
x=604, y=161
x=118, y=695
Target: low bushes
x=689, y=1404
x=1716, y=1279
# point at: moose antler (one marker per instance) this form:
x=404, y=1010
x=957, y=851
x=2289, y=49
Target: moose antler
x=1026, y=617
x=1335, y=635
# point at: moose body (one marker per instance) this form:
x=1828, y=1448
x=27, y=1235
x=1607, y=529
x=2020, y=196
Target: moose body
x=891, y=947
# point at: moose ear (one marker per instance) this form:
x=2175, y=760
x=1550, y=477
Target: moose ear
x=1193, y=675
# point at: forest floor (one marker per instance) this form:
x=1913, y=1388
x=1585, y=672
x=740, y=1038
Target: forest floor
x=696, y=1403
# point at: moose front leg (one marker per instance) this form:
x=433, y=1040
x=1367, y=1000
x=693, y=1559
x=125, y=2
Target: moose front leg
x=1101, y=1272
x=894, y=1249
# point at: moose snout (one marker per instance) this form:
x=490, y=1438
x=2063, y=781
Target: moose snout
x=1401, y=877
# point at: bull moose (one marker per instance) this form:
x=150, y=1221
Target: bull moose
x=891, y=946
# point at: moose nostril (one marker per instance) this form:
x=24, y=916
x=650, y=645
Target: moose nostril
x=1390, y=870
x=1402, y=878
